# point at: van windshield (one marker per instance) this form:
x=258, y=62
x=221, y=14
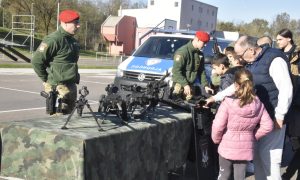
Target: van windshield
x=165, y=47
x=161, y=47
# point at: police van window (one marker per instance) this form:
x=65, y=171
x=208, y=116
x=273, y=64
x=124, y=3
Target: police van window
x=161, y=47
x=208, y=49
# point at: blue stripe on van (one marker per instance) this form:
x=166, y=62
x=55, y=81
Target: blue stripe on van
x=152, y=65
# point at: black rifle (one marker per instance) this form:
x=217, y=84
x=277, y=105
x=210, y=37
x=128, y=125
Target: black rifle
x=148, y=99
x=53, y=103
x=216, y=49
x=202, y=149
x=113, y=103
x=79, y=106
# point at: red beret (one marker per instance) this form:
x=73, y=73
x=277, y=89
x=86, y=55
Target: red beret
x=202, y=36
x=68, y=16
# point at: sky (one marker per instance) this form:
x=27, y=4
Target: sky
x=237, y=11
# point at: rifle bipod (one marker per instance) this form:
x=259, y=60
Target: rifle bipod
x=79, y=105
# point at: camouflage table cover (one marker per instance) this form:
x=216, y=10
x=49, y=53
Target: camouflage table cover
x=39, y=149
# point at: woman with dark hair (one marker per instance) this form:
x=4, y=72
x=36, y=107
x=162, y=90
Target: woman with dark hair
x=286, y=44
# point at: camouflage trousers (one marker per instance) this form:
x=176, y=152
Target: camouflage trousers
x=67, y=93
x=178, y=90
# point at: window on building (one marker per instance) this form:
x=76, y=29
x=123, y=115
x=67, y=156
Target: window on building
x=206, y=24
x=176, y=4
x=213, y=13
x=152, y=2
x=199, y=23
x=207, y=11
x=200, y=9
x=212, y=26
x=191, y=21
x=192, y=7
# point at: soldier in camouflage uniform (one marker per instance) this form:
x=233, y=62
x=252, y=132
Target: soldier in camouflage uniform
x=55, y=60
x=188, y=69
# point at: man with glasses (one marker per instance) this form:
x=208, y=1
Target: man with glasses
x=55, y=60
x=274, y=88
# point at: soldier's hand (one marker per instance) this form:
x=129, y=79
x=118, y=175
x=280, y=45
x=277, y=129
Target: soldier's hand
x=278, y=123
x=47, y=87
x=187, y=90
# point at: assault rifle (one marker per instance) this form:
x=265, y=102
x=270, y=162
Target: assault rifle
x=113, y=103
x=79, y=105
x=202, y=149
x=216, y=49
x=53, y=103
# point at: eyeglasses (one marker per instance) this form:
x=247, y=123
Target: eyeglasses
x=242, y=55
x=76, y=22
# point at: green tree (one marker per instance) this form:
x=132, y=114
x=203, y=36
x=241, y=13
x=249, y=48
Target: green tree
x=113, y=6
x=257, y=28
x=281, y=21
x=44, y=11
x=226, y=26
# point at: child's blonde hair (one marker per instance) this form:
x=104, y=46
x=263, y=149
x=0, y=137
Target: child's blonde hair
x=245, y=92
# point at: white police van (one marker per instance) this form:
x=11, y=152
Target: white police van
x=154, y=57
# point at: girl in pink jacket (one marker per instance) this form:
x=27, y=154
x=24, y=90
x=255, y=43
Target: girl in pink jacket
x=240, y=121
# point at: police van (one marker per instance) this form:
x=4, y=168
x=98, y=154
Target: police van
x=154, y=58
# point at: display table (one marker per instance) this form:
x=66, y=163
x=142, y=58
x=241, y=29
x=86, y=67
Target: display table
x=39, y=149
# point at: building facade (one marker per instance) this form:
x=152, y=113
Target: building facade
x=189, y=14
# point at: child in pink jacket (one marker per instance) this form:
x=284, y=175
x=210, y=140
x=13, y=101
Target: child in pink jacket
x=240, y=121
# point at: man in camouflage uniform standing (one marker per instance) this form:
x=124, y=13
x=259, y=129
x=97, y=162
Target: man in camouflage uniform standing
x=188, y=69
x=55, y=60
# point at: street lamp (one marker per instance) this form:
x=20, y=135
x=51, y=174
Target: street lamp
x=57, y=20
x=31, y=8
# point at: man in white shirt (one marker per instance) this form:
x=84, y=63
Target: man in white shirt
x=274, y=88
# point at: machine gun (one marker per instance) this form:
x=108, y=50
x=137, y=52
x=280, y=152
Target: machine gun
x=148, y=99
x=53, y=103
x=79, y=105
x=5, y=47
x=113, y=103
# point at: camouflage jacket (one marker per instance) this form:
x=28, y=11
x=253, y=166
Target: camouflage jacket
x=55, y=60
x=295, y=60
x=188, y=65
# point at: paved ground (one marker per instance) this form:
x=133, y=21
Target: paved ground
x=20, y=99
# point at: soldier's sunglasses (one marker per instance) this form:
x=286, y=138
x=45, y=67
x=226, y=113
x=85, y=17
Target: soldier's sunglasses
x=76, y=22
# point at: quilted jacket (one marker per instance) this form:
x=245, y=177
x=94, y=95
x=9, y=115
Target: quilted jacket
x=237, y=128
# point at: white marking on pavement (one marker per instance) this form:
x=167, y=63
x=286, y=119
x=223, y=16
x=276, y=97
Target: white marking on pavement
x=16, y=110
x=93, y=82
x=19, y=90
x=30, y=109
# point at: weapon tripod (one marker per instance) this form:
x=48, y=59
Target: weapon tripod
x=80, y=103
